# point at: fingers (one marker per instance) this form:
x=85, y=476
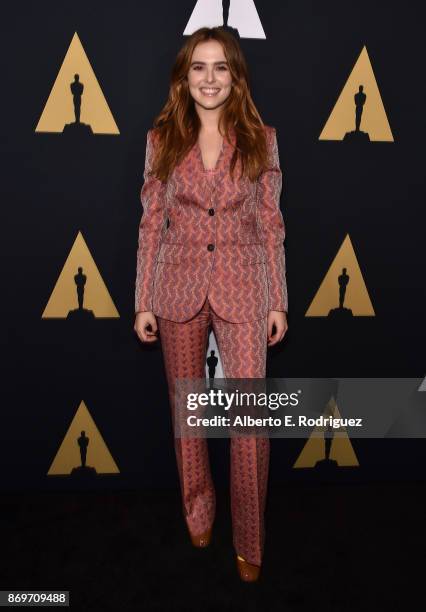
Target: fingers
x=147, y=335
x=270, y=327
x=277, y=336
x=273, y=339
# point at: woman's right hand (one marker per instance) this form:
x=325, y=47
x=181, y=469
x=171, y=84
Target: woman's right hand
x=143, y=319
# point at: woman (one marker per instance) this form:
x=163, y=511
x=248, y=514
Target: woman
x=211, y=252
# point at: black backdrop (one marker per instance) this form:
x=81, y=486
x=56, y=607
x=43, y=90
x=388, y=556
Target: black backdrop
x=52, y=188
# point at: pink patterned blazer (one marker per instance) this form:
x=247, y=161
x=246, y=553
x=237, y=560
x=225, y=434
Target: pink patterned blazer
x=203, y=235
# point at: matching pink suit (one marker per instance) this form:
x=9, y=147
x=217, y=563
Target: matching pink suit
x=211, y=252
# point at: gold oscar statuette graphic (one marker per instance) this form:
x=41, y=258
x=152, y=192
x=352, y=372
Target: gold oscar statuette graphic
x=327, y=448
x=80, y=293
x=83, y=452
x=76, y=106
x=359, y=114
x=342, y=293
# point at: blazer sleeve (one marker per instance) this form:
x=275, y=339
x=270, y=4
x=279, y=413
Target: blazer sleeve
x=150, y=227
x=271, y=225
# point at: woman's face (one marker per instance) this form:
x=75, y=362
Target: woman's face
x=209, y=78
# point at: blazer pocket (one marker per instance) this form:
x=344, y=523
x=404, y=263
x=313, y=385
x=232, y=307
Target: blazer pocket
x=248, y=231
x=172, y=253
x=251, y=254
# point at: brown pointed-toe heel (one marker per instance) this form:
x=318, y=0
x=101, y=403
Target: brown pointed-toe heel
x=201, y=540
x=247, y=571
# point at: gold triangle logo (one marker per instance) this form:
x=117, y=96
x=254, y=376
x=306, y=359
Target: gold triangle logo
x=80, y=292
x=342, y=293
x=76, y=104
x=359, y=113
x=317, y=453
x=83, y=450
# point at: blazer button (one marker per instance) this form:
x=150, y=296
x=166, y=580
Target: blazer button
x=211, y=211
x=210, y=247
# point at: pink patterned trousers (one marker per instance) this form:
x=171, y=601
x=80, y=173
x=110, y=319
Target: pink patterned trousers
x=242, y=348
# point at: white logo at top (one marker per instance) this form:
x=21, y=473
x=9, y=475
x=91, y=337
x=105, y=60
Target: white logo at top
x=239, y=14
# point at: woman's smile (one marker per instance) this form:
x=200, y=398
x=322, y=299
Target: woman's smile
x=210, y=91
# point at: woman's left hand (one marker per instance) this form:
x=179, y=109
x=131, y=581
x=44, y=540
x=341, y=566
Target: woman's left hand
x=279, y=319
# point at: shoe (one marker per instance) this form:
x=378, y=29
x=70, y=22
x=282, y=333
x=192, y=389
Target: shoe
x=247, y=571
x=201, y=540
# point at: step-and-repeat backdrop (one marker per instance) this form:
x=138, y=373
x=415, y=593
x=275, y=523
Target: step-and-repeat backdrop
x=84, y=403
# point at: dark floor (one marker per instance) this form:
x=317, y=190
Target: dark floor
x=329, y=547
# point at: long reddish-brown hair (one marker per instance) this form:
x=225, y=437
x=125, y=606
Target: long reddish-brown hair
x=177, y=125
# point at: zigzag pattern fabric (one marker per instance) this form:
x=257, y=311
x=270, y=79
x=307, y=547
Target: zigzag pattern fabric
x=224, y=239
x=243, y=352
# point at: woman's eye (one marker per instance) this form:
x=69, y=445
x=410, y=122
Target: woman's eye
x=218, y=67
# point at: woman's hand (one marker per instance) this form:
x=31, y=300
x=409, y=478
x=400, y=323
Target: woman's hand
x=279, y=319
x=143, y=319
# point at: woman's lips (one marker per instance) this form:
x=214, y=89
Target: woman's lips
x=206, y=91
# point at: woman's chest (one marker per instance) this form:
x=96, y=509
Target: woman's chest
x=191, y=185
